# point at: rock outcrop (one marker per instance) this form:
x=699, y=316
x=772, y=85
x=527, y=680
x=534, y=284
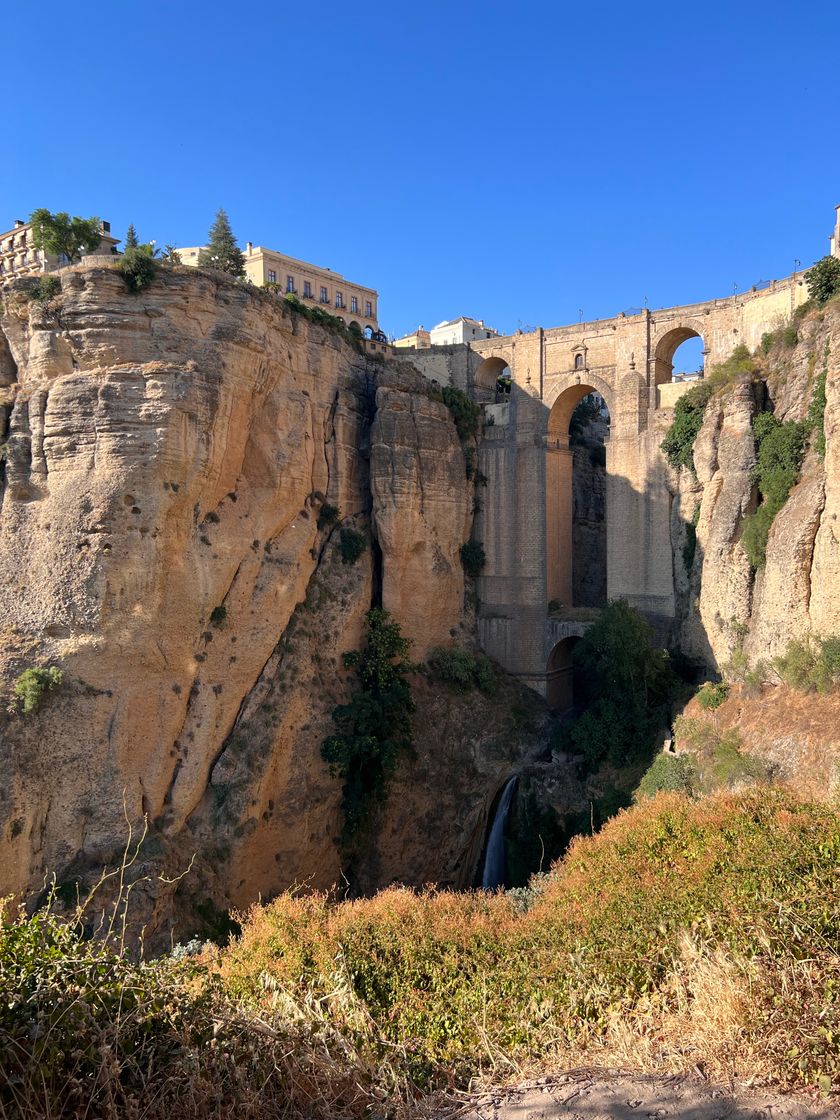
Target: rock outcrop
x=174, y=461
x=723, y=605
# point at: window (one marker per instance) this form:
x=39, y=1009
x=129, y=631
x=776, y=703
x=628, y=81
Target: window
x=339, y=299
x=272, y=276
x=368, y=309
x=578, y=361
x=324, y=297
x=354, y=305
x=307, y=289
x=290, y=283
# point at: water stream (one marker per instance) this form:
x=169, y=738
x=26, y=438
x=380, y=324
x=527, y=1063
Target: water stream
x=493, y=875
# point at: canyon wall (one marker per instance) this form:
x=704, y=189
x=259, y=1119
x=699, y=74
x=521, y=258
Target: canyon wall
x=723, y=605
x=180, y=468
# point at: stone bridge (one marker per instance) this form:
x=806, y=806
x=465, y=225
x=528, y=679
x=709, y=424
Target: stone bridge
x=525, y=522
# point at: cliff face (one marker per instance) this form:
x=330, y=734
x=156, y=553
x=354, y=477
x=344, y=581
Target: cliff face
x=722, y=604
x=167, y=457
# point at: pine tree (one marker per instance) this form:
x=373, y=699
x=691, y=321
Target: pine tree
x=222, y=252
x=131, y=238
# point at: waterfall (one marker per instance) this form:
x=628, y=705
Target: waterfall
x=493, y=874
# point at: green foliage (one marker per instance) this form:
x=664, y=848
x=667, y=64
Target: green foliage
x=60, y=234
x=222, y=252
x=811, y=664
x=137, y=268
x=816, y=413
x=678, y=445
x=31, y=685
x=790, y=337
x=131, y=241
x=351, y=544
x=462, y=669
x=218, y=615
x=712, y=694
x=375, y=725
x=465, y=414
x=328, y=515
x=46, y=288
x=316, y=315
x=473, y=558
x=768, y=341
x=625, y=684
x=779, y=450
x=824, y=280
x=675, y=773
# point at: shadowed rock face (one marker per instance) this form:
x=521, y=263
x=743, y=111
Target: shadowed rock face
x=722, y=603
x=167, y=457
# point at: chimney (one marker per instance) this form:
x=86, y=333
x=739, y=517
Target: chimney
x=481, y=322
x=19, y=223
x=106, y=227
x=249, y=245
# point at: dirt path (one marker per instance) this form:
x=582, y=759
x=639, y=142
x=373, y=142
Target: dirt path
x=611, y=1095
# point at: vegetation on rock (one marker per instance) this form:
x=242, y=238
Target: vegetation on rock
x=137, y=267
x=352, y=544
x=375, y=725
x=779, y=450
x=32, y=684
x=473, y=558
x=462, y=669
x=823, y=280
x=810, y=664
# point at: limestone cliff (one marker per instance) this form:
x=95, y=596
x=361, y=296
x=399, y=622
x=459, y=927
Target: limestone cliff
x=723, y=605
x=168, y=538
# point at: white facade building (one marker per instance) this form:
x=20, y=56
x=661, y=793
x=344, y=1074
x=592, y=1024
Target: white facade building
x=456, y=331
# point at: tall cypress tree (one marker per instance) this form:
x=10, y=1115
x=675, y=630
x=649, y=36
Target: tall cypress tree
x=222, y=252
x=131, y=238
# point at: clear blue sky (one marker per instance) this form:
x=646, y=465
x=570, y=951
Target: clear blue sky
x=515, y=162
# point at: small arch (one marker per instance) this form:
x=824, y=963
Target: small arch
x=488, y=373
x=666, y=349
x=560, y=675
x=354, y=327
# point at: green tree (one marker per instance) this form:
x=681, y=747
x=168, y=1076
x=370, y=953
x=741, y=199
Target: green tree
x=59, y=233
x=131, y=241
x=625, y=684
x=222, y=252
x=824, y=279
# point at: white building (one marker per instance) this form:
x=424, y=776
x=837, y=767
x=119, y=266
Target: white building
x=461, y=330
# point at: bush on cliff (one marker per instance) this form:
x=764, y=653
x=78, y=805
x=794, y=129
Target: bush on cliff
x=33, y=684
x=779, y=450
x=462, y=669
x=823, y=280
x=137, y=268
x=375, y=725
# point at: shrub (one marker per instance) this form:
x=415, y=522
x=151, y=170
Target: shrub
x=816, y=413
x=768, y=340
x=218, y=615
x=32, y=684
x=811, y=664
x=712, y=694
x=375, y=725
x=465, y=413
x=351, y=544
x=779, y=450
x=473, y=558
x=462, y=669
x=137, y=268
x=823, y=280
x=46, y=287
x=675, y=773
x=328, y=515
x=790, y=337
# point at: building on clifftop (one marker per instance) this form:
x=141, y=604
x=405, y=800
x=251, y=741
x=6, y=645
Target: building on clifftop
x=456, y=331
x=18, y=256
x=312, y=285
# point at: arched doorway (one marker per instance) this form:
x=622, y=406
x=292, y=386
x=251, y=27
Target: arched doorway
x=560, y=676
x=489, y=378
x=679, y=352
x=576, y=499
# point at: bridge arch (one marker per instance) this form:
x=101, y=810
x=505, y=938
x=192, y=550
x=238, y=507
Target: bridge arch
x=560, y=675
x=559, y=490
x=486, y=375
x=666, y=348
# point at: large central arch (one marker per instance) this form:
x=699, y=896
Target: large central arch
x=559, y=471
